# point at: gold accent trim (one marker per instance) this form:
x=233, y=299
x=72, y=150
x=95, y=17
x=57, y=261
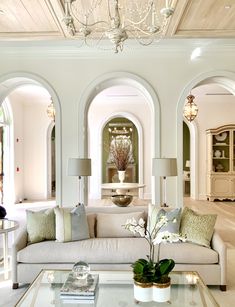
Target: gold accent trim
x=143, y=284
x=162, y=285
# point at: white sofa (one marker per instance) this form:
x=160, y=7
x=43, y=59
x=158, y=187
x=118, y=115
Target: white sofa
x=115, y=253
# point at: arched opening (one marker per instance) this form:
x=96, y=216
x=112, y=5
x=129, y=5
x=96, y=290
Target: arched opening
x=99, y=86
x=114, y=129
x=23, y=127
x=208, y=90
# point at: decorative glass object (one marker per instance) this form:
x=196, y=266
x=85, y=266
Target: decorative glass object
x=81, y=271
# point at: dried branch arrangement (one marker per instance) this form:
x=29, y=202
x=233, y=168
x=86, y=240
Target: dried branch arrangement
x=121, y=152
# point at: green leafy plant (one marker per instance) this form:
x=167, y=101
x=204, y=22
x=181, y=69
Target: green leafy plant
x=143, y=270
x=162, y=270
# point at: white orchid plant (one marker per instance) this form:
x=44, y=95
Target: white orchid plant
x=150, y=270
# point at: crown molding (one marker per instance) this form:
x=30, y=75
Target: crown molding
x=67, y=49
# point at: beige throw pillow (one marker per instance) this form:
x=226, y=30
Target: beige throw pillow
x=197, y=227
x=40, y=225
x=110, y=225
x=91, y=219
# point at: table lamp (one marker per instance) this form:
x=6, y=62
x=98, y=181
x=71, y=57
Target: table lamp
x=80, y=168
x=164, y=167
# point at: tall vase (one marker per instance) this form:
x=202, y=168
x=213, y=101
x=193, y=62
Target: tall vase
x=162, y=292
x=121, y=176
x=143, y=292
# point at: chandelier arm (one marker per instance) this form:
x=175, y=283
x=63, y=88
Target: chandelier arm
x=144, y=44
x=140, y=30
x=87, y=44
x=87, y=24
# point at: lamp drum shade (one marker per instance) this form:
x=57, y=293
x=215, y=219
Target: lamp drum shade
x=79, y=167
x=164, y=167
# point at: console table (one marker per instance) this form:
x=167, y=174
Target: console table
x=122, y=188
x=6, y=226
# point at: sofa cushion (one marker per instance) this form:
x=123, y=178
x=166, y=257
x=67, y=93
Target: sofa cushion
x=188, y=253
x=97, y=250
x=71, y=225
x=40, y=225
x=198, y=228
x=112, y=225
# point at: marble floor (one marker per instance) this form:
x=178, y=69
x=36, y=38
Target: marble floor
x=225, y=225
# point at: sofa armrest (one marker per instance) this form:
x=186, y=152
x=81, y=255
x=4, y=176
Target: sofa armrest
x=19, y=243
x=220, y=247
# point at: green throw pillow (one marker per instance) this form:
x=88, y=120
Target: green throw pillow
x=40, y=225
x=71, y=224
x=198, y=228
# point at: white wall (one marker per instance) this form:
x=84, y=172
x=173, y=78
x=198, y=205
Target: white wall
x=30, y=152
x=69, y=71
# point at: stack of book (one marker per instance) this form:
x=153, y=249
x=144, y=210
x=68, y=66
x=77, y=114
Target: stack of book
x=73, y=292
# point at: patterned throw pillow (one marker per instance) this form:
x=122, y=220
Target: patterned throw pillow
x=198, y=228
x=40, y=225
x=71, y=224
x=155, y=212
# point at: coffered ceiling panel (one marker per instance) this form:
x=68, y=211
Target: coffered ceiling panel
x=43, y=19
x=204, y=18
x=29, y=18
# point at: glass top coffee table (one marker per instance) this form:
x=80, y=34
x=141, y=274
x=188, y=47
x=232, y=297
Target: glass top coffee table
x=116, y=290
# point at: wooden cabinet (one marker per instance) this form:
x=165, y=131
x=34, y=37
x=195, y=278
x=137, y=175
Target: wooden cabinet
x=221, y=163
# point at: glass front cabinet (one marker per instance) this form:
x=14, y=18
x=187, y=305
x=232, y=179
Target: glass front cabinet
x=221, y=163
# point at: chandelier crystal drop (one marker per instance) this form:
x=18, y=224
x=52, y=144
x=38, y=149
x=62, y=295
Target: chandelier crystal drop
x=190, y=109
x=99, y=22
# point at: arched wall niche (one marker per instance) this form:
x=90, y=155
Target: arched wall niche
x=225, y=79
x=11, y=81
x=98, y=136
x=121, y=78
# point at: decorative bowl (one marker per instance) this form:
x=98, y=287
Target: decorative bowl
x=121, y=200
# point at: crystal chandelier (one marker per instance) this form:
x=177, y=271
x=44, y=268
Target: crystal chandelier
x=190, y=109
x=51, y=111
x=97, y=22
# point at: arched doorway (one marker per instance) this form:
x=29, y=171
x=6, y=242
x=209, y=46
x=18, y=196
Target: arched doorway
x=197, y=131
x=10, y=83
x=122, y=79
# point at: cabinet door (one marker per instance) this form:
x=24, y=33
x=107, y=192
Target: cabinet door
x=221, y=186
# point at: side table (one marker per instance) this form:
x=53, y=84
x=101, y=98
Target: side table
x=6, y=226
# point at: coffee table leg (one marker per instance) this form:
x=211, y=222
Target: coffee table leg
x=5, y=254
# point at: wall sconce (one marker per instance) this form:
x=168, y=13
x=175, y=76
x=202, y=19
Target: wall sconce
x=80, y=168
x=51, y=111
x=190, y=109
x=164, y=167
